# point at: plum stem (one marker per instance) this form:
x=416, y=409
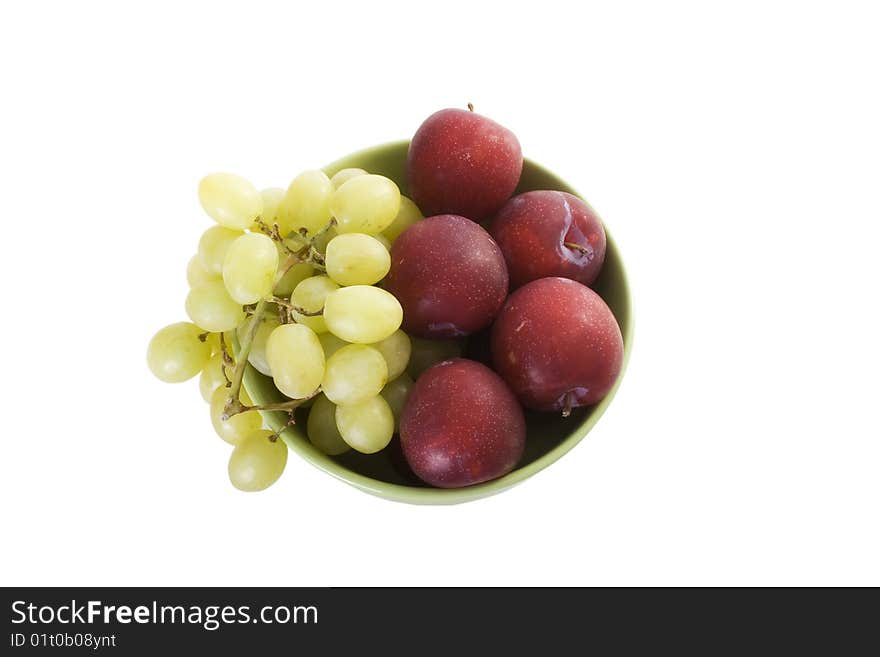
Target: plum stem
x=471, y=107
x=576, y=247
x=568, y=404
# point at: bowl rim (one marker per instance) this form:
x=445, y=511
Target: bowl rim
x=430, y=495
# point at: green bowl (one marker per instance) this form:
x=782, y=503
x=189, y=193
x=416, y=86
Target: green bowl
x=549, y=435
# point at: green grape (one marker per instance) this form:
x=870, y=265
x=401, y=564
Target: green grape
x=356, y=259
x=196, y=274
x=344, y=175
x=384, y=241
x=310, y=294
x=427, y=352
x=272, y=197
x=230, y=200
x=396, y=393
x=365, y=204
x=408, y=214
x=249, y=268
x=296, y=359
x=354, y=373
x=213, y=246
x=368, y=426
x=292, y=277
x=257, y=355
x=306, y=203
x=239, y=425
x=362, y=314
x=321, y=428
x=257, y=461
x=212, y=377
x=210, y=307
x=330, y=343
x=396, y=349
x=176, y=353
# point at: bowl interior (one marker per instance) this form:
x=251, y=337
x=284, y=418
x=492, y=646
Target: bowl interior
x=549, y=435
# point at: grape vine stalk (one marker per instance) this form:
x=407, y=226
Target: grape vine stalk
x=307, y=253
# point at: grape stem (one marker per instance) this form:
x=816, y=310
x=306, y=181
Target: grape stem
x=316, y=258
x=227, y=359
x=280, y=406
x=285, y=310
x=299, y=310
x=281, y=301
x=272, y=231
x=287, y=406
x=303, y=235
x=308, y=253
x=277, y=434
x=307, y=313
x=233, y=404
x=287, y=264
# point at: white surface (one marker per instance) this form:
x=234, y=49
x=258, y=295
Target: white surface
x=733, y=153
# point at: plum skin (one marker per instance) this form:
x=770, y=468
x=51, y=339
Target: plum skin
x=461, y=425
x=556, y=344
x=462, y=163
x=448, y=275
x=532, y=230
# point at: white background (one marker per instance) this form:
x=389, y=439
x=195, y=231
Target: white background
x=733, y=150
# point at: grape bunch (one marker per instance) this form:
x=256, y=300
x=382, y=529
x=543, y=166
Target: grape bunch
x=286, y=280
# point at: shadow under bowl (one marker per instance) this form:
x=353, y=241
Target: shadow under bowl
x=549, y=435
